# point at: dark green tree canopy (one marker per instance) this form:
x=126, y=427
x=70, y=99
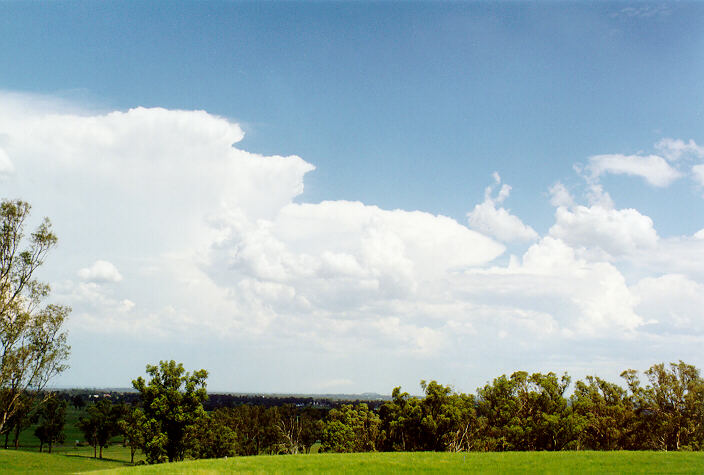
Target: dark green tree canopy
x=172, y=401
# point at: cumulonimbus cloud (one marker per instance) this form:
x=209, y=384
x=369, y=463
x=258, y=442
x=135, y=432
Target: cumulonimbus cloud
x=216, y=241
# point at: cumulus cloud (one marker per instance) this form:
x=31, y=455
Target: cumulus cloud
x=583, y=297
x=217, y=245
x=652, y=168
x=615, y=231
x=674, y=149
x=499, y=222
x=100, y=271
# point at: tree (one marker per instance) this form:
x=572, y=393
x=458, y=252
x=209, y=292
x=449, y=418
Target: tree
x=604, y=414
x=254, y=426
x=352, y=429
x=131, y=427
x=33, y=348
x=24, y=416
x=402, y=418
x=53, y=418
x=670, y=408
x=171, y=402
x=211, y=438
x=78, y=402
x=101, y=424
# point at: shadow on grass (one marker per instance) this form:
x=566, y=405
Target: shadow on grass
x=90, y=457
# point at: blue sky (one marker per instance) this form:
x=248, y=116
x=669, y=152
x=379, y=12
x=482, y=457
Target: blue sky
x=402, y=106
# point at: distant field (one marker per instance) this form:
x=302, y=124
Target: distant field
x=512, y=462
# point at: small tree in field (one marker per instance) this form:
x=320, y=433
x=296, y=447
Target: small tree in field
x=101, y=424
x=171, y=402
x=131, y=427
x=53, y=418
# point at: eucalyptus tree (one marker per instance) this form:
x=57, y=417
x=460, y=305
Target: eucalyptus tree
x=670, y=408
x=33, y=348
x=172, y=401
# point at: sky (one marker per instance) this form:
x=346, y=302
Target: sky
x=345, y=197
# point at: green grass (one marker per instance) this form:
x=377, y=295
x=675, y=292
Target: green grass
x=29, y=443
x=511, y=462
x=19, y=461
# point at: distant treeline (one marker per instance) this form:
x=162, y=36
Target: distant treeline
x=80, y=397
x=523, y=411
x=520, y=412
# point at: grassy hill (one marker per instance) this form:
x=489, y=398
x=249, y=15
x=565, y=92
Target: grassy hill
x=511, y=462
x=19, y=461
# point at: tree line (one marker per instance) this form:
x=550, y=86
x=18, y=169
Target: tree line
x=168, y=422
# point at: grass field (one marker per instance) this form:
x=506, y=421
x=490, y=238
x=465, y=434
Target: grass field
x=29, y=443
x=12, y=461
x=512, y=462
x=70, y=458
x=20, y=461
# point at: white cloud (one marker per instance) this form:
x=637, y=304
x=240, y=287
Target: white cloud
x=674, y=149
x=673, y=301
x=216, y=247
x=654, y=169
x=615, y=231
x=499, y=222
x=100, y=271
x=698, y=173
x=582, y=297
x=560, y=196
x=6, y=166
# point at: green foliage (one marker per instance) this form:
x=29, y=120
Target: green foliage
x=101, y=423
x=274, y=430
x=171, y=402
x=254, y=426
x=670, y=409
x=130, y=427
x=603, y=415
x=52, y=419
x=210, y=438
x=352, y=429
x=33, y=348
x=525, y=413
x=24, y=415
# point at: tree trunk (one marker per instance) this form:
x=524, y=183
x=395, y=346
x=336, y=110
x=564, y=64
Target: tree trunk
x=50, y=444
x=41, y=446
x=7, y=438
x=95, y=451
x=132, y=455
x=17, y=437
x=101, y=451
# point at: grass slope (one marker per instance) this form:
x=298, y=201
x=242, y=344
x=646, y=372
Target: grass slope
x=28, y=442
x=18, y=461
x=511, y=462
